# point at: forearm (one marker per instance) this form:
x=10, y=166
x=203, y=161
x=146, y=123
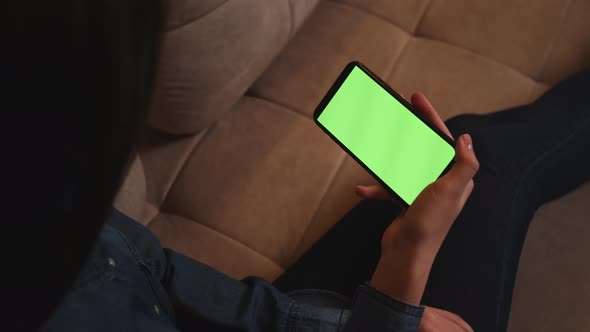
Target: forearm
x=404, y=267
x=406, y=284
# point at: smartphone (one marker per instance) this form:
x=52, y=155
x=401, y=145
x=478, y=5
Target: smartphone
x=383, y=132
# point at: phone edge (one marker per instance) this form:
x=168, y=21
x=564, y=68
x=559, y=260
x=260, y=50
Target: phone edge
x=334, y=89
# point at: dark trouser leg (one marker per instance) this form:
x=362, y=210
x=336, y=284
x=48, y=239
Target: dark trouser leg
x=345, y=256
x=529, y=155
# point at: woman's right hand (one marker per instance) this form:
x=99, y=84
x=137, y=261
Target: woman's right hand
x=411, y=242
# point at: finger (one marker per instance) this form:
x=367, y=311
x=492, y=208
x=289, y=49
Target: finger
x=372, y=192
x=467, y=193
x=425, y=108
x=466, y=165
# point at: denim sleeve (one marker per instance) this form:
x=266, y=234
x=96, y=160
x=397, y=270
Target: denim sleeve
x=375, y=311
x=207, y=300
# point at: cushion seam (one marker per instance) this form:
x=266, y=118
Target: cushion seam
x=278, y=104
x=481, y=56
x=332, y=179
x=422, y=15
x=226, y=236
x=292, y=17
x=391, y=70
x=366, y=12
x=182, y=165
x=555, y=38
x=417, y=35
x=194, y=19
x=149, y=217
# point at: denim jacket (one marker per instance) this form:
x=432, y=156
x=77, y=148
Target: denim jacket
x=130, y=283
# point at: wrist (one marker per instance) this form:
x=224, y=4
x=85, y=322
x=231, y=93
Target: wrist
x=403, y=275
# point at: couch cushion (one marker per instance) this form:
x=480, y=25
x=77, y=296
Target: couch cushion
x=209, y=246
x=456, y=79
x=333, y=36
x=257, y=177
x=132, y=195
x=212, y=51
x=519, y=34
x=163, y=157
x=329, y=40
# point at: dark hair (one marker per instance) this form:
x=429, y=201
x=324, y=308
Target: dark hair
x=81, y=75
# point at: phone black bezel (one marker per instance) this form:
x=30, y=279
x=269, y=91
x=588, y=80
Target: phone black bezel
x=336, y=86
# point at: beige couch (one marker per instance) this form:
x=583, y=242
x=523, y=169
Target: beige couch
x=234, y=173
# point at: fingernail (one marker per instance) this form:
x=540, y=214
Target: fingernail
x=468, y=141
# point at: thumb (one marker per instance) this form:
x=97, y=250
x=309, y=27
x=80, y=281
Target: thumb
x=465, y=167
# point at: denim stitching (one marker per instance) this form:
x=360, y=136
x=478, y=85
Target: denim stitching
x=146, y=269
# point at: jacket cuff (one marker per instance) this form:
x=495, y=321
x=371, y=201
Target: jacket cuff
x=375, y=311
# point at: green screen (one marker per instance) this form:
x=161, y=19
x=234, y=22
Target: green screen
x=389, y=139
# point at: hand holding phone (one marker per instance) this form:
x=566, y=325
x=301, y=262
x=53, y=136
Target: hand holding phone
x=383, y=133
x=410, y=244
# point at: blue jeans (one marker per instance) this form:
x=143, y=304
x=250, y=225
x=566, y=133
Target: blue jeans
x=529, y=156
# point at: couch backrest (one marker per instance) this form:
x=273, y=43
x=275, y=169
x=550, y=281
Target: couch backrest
x=212, y=51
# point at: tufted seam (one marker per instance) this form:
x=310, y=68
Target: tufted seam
x=484, y=57
x=278, y=104
x=401, y=52
x=535, y=85
x=208, y=130
x=247, y=68
x=150, y=212
x=224, y=235
x=182, y=164
x=292, y=18
x=416, y=35
x=332, y=178
x=364, y=11
x=551, y=47
x=422, y=15
x=194, y=19
x=222, y=92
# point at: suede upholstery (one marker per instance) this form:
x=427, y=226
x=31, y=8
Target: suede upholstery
x=132, y=194
x=239, y=177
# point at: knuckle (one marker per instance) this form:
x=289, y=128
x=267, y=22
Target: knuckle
x=473, y=164
x=442, y=187
x=445, y=189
